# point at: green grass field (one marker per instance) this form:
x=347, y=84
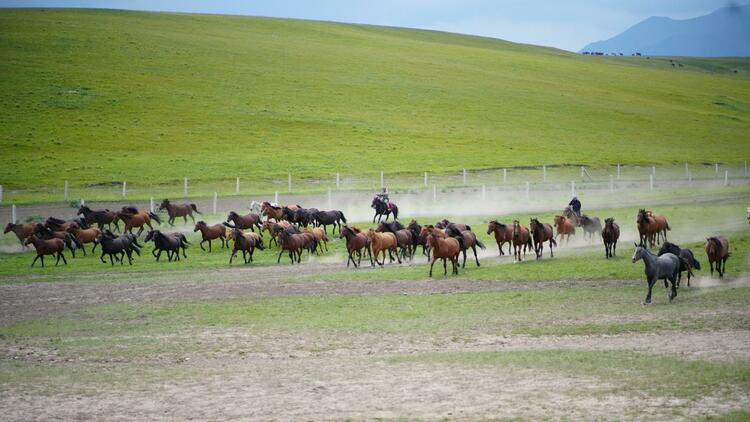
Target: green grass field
x=159, y=96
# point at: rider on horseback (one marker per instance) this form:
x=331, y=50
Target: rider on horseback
x=383, y=196
x=575, y=205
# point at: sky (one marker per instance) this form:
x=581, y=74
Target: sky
x=565, y=24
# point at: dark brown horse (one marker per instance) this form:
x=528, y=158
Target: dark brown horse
x=209, y=233
x=271, y=211
x=102, y=218
x=404, y=237
x=46, y=247
x=293, y=243
x=22, y=231
x=540, y=233
x=521, y=240
x=421, y=240
x=174, y=211
x=355, y=243
x=247, y=243
x=610, y=235
x=469, y=240
x=717, y=250
x=169, y=242
x=503, y=234
x=244, y=222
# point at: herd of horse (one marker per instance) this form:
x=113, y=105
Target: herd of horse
x=294, y=230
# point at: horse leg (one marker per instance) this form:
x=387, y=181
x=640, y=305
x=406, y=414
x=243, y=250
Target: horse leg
x=201, y=245
x=231, y=257
x=278, y=260
x=350, y=259
x=34, y=261
x=673, y=293
x=63, y=258
x=209, y=246
x=398, y=258
x=431, y=265
x=445, y=266
x=374, y=216
x=711, y=264
x=648, y=296
x=474, y=248
x=101, y=258
x=500, y=247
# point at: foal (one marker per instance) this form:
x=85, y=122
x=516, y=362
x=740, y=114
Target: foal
x=46, y=247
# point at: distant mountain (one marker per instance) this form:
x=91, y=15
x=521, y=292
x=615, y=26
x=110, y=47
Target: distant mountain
x=723, y=33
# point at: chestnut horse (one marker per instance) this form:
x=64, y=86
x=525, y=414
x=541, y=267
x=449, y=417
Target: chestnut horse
x=542, y=232
x=292, y=243
x=382, y=242
x=717, y=250
x=22, y=231
x=209, y=233
x=271, y=211
x=174, y=211
x=134, y=218
x=445, y=249
x=651, y=227
x=84, y=235
x=565, y=227
x=355, y=243
x=244, y=222
x=503, y=234
x=46, y=247
x=521, y=239
x=321, y=238
x=406, y=241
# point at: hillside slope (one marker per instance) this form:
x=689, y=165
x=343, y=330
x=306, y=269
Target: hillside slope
x=723, y=33
x=92, y=95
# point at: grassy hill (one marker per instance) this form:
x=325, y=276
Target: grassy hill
x=99, y=96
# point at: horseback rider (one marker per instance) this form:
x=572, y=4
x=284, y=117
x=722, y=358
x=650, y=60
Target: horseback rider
x=575, y=205
x=383, y=196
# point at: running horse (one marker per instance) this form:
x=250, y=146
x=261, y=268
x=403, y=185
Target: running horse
x=383, y=209
x=174, y=211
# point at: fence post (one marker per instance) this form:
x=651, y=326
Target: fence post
x=651, y=182
x=611, y=183
x=618, y=171
x=464, y=177
x=289, y=182
x=573, y=188
x=745, y=170
x=527, y=190
x=124, y=189
x=216, y=197
x=726, y=177
x=151, y=204
x=382, y=180
x=338, y=181
x=83, y=202
x=484, y=192
x=65, y=191
x=717, y=169
x=276, y=197
x=505, y=175
x=583, y=171
x=237, y=186
x=434, y=194
x=687, y=171
x=185, y=186
x=425, y=178
x=544, y=173
x=653, y=171
x=13, y=218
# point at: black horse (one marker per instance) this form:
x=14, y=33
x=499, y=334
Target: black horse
x=102, y=218
x=170, y=242
x=334, y=218
x=687, y=260
x=121, y=245
x=666, y=267
x=381, y=209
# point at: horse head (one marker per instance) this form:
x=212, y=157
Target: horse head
x=164, y=204
x=639, y=252
x=8, y=228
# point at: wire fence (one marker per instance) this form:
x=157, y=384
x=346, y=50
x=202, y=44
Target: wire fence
x=525, y=182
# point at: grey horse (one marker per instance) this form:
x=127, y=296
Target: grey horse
x=665, y=267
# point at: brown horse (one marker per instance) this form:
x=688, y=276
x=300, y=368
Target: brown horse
x=404, y=236
x=521, y=240
x=46, y=247
x=382, y=242
x=247, y=243
x=22, y=231
x=717, y=249
x=355, y=243
x=651, y=227
x=542, y=232
x=444, y=223
x=84, y=235
x=292, y=243
x=321, y=238
x=136, y=220
x=448, y=248
x=174, y=211
x=244, y=222
x=565, y=227
x=273, y=229
x=45, y=233
x=610, y=235
x=270, y=211
x=209, y=233
x=467, y=240
x=102, y=218
x=503, y=234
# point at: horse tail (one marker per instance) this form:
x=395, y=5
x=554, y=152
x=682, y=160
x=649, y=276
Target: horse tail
x=342, y=217
x=553, y=241
x=667, y=224
x=460, y=239
x=154, y=217
x=259, y=244
x=468, y=227
x=195, y=209
x=479, y=242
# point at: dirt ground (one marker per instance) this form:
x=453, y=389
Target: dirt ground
x=321, y=377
